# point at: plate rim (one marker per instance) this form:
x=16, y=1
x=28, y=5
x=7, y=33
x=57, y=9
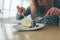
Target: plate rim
x=34, y=28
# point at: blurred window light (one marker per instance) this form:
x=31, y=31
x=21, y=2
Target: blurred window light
x=10, y=7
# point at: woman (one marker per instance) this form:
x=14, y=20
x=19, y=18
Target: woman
x=40, y=8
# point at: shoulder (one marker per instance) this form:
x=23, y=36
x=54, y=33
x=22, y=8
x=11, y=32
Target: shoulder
x=56, y=0
x=28, y=8
x=56, y=3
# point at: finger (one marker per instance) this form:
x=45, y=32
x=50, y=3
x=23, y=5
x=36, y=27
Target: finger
x=51, y=12
x=48, y=12
x=56, y=11
x=24, y=10
x=17, y=7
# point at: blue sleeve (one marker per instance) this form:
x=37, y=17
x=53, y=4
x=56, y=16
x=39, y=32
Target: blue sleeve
x=19, y=17
x=27, y=12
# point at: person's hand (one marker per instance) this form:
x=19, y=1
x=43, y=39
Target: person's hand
x=53, y=11
x=21, y=10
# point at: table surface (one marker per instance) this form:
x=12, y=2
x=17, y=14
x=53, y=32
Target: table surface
x=7, y=32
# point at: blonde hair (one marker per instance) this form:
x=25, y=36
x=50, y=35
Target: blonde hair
x=34, y=5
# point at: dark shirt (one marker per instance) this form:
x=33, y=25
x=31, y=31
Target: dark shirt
x=54, y=20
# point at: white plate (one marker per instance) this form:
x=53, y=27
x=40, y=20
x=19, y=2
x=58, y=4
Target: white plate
x=19, y=27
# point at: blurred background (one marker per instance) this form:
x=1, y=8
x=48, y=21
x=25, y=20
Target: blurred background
x=8, y=7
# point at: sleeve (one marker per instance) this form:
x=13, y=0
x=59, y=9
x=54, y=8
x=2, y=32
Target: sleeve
x=27, y=12
x=56, y=3
x=50, y=20
x=19, y=17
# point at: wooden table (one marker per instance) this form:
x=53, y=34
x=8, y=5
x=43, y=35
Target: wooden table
x=46, y=33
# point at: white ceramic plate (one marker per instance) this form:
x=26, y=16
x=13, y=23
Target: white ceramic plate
x=19, y=27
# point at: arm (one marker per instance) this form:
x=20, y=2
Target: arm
x=54, y=10
x=26, y=13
